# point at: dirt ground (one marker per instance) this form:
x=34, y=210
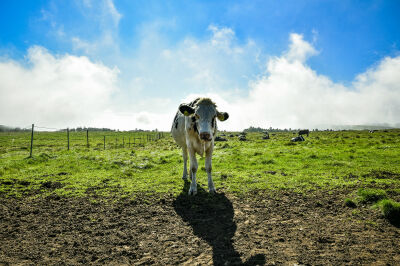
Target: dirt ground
x=224, y=229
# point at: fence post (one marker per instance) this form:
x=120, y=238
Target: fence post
x=68, y=136
x=30, y=155
x=123, y=142
x=87, y=138
x=116, y=143
x=129, y=143
x=104, y=142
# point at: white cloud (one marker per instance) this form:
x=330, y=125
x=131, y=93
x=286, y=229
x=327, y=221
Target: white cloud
x=299, y=50
x=106, y=17
x=222, y=37
x=217, y=63
x=291, y=94
x=103, y=8
x=69, y=91
x=109, y=8
x=129, y=121
x=66, y=90
x=54, y=90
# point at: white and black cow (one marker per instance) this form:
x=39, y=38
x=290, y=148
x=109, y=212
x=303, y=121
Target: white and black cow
x=194, y=130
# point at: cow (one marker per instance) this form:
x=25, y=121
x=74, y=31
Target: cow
x=304, y=131
x=298, y=138
x=194, y=129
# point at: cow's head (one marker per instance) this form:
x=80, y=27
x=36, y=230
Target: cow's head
x=203, y=115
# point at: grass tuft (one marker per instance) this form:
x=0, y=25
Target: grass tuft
x=349, y=203
x=391, y=210
x=291, y=143
x=269, y=161
x=371, y=195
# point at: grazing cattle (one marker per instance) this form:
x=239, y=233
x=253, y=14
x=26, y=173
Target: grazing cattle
x=194, y=130
x=304, y=132
x=242, y=137
x=266, y=135
x=298, y=138
x=218, y=138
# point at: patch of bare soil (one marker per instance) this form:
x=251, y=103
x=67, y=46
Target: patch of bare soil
x=260, y=228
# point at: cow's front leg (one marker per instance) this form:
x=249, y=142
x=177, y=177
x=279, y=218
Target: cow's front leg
x=185, y=157
x=211, y=187
x=193, y=171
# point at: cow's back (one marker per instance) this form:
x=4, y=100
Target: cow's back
x=178, y=129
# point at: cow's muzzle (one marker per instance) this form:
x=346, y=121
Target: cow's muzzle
x=205, y=136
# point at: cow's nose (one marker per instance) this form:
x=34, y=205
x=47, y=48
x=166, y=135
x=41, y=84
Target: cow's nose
x=205, y=136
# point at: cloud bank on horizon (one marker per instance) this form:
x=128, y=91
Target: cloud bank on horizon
x=143, y=88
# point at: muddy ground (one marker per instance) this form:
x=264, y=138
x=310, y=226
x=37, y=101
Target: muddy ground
x=260, y=228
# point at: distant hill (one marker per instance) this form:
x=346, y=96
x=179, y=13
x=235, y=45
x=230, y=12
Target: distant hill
x=323, y=127
x=4, y=128
x=362, y=127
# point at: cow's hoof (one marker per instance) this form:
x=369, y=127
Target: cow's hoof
x=192, y=191
x=212, y=190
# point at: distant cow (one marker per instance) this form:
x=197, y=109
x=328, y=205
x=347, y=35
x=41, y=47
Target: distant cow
x=304, y=132
x=242, y=137
x=219, y=138
x=298, y=138
x=194, y=130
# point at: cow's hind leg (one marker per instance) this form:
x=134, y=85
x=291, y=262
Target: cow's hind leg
x=185, y=158
x=193, y=171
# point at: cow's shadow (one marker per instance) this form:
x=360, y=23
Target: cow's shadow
x=211, y=217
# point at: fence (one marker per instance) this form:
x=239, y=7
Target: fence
x=71, y=139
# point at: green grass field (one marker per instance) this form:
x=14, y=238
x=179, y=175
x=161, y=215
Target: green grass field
x=325, y=160
x=332, y=199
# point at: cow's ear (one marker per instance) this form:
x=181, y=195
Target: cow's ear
x=186, y=109
x=222, y=116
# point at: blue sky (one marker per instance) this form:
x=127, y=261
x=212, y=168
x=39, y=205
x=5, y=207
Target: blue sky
x=158, y=53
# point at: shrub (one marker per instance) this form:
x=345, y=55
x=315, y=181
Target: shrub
x=391, y=210
x=371, y=195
